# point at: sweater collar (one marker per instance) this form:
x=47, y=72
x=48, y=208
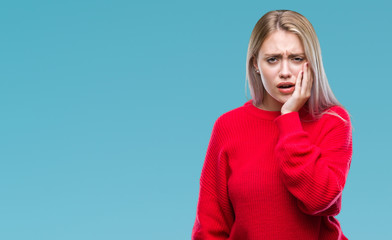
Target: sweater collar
x=270, y=115
x=264, y=114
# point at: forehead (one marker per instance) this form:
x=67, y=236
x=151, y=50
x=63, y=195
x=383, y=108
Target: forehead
x=281, y=42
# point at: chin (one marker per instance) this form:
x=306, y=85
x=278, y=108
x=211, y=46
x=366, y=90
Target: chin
x=283, y=100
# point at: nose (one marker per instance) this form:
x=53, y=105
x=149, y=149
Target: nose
x=285, y=70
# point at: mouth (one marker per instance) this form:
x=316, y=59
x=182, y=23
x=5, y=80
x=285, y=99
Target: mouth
x=286, y=85
x=286, y=88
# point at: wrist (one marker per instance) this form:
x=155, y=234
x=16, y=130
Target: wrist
x=285, y=112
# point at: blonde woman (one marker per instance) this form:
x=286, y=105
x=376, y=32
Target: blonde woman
x=275, y=168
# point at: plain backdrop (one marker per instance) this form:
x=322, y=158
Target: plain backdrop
x=107, y=109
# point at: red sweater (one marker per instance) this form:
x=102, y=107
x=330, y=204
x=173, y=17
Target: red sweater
x=272, y=176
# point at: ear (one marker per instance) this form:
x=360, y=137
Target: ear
x=255, y=62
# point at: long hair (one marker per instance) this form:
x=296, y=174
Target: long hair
x=322, y=97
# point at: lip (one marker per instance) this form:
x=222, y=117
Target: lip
x=286, y=90
x=285, y=83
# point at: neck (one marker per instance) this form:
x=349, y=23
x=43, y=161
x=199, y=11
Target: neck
x=273, y=106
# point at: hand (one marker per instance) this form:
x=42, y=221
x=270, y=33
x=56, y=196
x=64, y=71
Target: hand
x=302, y=91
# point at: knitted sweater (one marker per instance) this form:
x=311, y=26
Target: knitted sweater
x=272, y=176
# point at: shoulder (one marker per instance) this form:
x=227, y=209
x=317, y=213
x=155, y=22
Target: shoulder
x=342, y=111
x=335, y=118
x=231, y=117
x=225, y=126
x=337, y=113
x=337, y=125
x=230, y=121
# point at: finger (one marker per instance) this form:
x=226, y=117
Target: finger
x=298, y=83
x=310, y=79
x=305, y=81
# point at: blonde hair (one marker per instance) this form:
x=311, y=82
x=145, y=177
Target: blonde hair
x=322, y=97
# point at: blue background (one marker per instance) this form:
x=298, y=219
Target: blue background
x=107, y=109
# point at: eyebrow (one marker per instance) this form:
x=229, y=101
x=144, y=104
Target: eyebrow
x=279, y=54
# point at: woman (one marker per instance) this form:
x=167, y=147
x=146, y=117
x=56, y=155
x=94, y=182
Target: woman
x=275, y=168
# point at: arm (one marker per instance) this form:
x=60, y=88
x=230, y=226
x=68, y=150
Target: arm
x=315, y=174
x=214, y=215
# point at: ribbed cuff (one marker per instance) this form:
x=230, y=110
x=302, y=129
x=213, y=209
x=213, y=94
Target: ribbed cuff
x=288, y=123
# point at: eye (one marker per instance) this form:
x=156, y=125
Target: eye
x=272, y=59
x=298, y=59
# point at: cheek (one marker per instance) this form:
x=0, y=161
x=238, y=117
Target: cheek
x=270, y=73
x=296, y=69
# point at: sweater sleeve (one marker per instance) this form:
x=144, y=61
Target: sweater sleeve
x=214, y=214
x=315, y=174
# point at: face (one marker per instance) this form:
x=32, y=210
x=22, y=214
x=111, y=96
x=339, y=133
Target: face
x=280, y=59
